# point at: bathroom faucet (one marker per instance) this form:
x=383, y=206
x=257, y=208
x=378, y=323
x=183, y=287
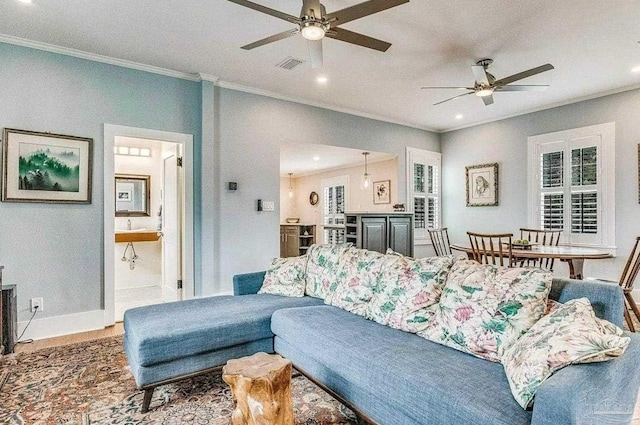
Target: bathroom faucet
x=129, y=224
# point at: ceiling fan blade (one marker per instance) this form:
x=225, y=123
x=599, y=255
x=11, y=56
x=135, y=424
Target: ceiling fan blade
x=359, y=39
x=267, y=10
x=488, y=100
x=312, y=8
x=480, y=74
x=454, y=97
x=271, y=39
x=361, y=10
x=523, y=74
x=315, y=52
x=532, y=87
x=457, y=88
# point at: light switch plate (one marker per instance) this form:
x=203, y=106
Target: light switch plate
x=268, y=206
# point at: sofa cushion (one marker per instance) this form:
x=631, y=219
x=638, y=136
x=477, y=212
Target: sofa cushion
x=408, y=290
x=356, y=279
x=484, y=309
x=285, y=276
x=164, y=332
x=570, y=333
x=322, y=266
x=394, y=377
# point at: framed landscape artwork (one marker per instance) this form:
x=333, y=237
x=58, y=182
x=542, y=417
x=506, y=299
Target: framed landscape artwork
x=382, y=192
x=482, y=185
x=45, y=167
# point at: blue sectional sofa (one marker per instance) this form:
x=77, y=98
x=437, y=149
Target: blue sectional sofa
x=385, y=375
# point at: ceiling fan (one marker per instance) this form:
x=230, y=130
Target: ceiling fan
x=315, y=23
x=486, y=84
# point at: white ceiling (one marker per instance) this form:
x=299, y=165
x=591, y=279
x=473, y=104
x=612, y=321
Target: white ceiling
x=592, y=44
x=300, y=158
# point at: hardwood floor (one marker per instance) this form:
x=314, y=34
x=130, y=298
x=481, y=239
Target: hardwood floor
x=117, y=329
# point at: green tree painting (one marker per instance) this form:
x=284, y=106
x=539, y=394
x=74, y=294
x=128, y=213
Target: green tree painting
x=51, y=168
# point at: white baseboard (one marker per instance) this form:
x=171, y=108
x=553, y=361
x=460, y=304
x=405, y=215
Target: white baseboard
x=49, y=327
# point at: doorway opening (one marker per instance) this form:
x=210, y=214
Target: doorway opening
x=148, y=219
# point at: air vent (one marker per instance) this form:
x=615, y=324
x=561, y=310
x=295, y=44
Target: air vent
x=290, y=63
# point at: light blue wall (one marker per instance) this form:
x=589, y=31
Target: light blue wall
x=55, y=251
x=249, y=132
x=505, y=142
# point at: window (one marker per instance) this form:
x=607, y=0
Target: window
x=423, y=191
x=572, y=184
x=333, y=207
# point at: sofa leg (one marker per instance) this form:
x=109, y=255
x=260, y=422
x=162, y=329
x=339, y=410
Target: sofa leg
x=146, y=401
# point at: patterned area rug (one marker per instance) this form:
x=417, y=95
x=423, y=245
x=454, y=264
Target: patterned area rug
x=90, y=383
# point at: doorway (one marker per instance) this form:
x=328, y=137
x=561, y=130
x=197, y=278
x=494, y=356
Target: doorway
x=151, y=259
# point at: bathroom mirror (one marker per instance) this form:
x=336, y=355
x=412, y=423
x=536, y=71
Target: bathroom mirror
x=132, y=195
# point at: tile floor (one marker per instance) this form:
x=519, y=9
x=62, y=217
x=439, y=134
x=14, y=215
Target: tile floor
x=136, y=297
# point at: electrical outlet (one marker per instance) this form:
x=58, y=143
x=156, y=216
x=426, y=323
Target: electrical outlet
x=37, y=303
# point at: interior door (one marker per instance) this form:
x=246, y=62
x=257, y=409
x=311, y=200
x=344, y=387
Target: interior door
x=172, y=224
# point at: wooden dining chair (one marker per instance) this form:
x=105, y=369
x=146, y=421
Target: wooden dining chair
x=491, y=248
x=540, y=237
x=627, y=279
x=440, y=241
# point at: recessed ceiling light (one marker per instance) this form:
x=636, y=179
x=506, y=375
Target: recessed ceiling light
x=322, y=80
x=635, y=69
x=459, y=116
x=316, y=158
x=25, y=1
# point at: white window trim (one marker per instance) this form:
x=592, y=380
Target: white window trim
x=421, y=236
x=606, y=172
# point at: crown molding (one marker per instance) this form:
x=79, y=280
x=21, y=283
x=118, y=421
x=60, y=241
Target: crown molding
x=267, y=93
x=207, y=77
x=194, y=77
x=97, y=58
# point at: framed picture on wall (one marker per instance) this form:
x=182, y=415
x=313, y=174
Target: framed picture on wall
x=482, y=185
x=382, y=192
x=45, y=167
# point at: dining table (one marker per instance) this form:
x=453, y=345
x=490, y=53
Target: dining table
x=573, y=255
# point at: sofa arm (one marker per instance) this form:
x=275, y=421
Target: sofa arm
x=247, y=283
x=607, y=299
x=592, y=393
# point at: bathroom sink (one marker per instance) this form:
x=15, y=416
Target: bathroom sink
x=137, y=235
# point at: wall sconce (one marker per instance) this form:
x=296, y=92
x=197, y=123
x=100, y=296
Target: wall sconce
x=131, y=151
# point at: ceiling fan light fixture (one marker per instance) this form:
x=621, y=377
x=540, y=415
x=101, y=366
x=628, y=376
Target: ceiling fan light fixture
x=483, y=92
x=313, y=30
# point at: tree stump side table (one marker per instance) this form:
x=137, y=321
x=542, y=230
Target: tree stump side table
x=261, y=388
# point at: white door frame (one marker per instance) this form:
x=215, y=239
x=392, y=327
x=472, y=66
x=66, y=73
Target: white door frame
x=110, y=132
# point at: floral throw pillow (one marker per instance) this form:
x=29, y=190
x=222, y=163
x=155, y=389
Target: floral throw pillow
x=322, y=267
x=285, y=276
x=408, y=290
x=571, y=333
x=484, y=309
x=356, y=279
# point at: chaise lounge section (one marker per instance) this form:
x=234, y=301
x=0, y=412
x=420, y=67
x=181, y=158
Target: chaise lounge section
x=173, y=341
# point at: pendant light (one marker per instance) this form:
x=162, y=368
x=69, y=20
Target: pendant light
x=366, y=177
x=290, y=186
